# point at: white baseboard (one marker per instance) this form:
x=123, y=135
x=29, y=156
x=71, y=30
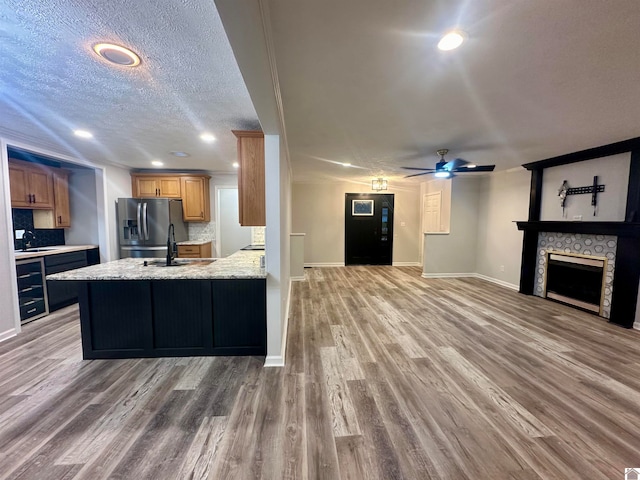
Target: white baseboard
x=311, y=265
x=6, y=335
x=636, y=325
x=447, y=275
x=502, y=283
x=407, y=264
x=297, y=279
x=278, y=360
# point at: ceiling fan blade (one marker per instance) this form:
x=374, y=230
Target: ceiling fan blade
x=479, y=168
x=418, y=174
x=418, y=168
x=455, y=164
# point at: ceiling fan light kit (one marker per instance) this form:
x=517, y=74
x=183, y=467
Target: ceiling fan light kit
x=446, y=169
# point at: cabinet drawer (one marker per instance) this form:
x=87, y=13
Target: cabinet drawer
x=188, y=249
x=62, y=258
x=32, y=308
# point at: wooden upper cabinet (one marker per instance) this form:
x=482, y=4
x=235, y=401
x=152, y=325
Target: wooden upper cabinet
x=251, y=186
x=195, y=198
x=62, y=210
x=146, y=186
x=193, y=189
x=31, y=185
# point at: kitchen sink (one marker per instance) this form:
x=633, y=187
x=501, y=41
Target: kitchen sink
x=182, y=263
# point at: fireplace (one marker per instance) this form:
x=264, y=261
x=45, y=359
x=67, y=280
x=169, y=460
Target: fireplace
x=577, y=246
x=577, y=280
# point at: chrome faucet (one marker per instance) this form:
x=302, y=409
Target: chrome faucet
x=172, y=247
x=27, y=238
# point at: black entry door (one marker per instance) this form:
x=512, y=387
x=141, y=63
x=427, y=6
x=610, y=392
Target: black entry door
x=368, y=228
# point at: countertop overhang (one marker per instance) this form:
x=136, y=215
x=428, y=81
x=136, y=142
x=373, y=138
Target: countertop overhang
x=242, y=264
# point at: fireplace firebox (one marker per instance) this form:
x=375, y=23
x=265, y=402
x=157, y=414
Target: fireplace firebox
x=577, y=280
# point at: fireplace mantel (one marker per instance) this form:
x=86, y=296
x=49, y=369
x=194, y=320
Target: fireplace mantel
x=619, y=229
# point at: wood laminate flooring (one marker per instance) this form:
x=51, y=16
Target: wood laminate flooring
x=388, y=376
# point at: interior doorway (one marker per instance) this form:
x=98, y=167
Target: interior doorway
x=368, y=228
x=230, y=237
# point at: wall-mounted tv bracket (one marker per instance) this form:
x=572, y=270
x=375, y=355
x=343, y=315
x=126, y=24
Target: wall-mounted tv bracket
x=592, y=189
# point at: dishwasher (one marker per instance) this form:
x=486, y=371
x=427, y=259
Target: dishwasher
x=32, y=289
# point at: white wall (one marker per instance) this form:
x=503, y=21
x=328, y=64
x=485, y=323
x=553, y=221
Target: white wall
x=613, y=172
x=84, y=208
x=318, y=211
x=503, y=199
x=277, y=247
x=456, y=252
x=10, y=317
x=113, y=184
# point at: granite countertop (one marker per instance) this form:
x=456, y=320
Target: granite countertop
x=242, y=264
x=54, y=250
x=194, y=242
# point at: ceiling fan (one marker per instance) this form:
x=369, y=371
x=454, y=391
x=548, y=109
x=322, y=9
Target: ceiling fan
x=446, y=169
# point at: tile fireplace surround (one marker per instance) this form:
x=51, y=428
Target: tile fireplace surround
x=584, y=244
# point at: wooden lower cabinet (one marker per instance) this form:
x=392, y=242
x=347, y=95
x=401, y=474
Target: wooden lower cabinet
x=195, y=251
x=169, y=318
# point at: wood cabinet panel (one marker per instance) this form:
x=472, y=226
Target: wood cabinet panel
x=195, y=251
x=31, y=185
x=251, y=178
x=147, y=186
x=169, y=187
x=192, y=189
x=195, y=199
x=62, y=209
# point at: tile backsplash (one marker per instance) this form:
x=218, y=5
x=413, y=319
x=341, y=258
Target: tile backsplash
x=23, y=220
x=257, y=235
x=202, y=231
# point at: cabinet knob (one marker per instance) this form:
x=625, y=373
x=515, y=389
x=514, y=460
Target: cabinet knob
x=201, y=214
x=59, y=219
x=34, y=198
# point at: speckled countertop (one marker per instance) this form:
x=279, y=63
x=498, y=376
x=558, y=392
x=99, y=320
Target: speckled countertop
x=242, y=264
x=44, y=251
x=194, y=242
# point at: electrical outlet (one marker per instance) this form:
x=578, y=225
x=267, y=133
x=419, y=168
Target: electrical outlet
x=19, y=234
x=577, y=217
x=403, y=224
x=502, y=268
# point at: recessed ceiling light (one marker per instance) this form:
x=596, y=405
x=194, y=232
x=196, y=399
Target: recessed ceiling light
x=207, y=137
x=236, y=165
x=116, y=54
x=83, y=134
x=451, y=40
x=346, y=164
x=156, y=163
x=179, y=154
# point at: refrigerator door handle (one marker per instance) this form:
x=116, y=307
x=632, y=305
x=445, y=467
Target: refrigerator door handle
x=145, y=221
x=140, y=231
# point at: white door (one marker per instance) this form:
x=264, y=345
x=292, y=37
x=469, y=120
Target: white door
x=432, y=208
x=231, y=237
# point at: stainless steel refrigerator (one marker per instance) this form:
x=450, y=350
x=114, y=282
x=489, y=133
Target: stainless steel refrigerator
x=143, y=225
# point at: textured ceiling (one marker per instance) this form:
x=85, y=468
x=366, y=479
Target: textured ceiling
x=361, y=81
x=51, y=82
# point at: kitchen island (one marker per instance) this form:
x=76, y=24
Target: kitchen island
x=137, y=307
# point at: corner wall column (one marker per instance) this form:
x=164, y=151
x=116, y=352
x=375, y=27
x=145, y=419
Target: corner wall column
x=530, y=238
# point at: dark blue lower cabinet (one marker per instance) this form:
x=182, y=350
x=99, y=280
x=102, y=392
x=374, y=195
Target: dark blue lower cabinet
x=167, y=318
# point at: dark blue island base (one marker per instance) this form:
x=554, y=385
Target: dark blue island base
x=172, y=318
